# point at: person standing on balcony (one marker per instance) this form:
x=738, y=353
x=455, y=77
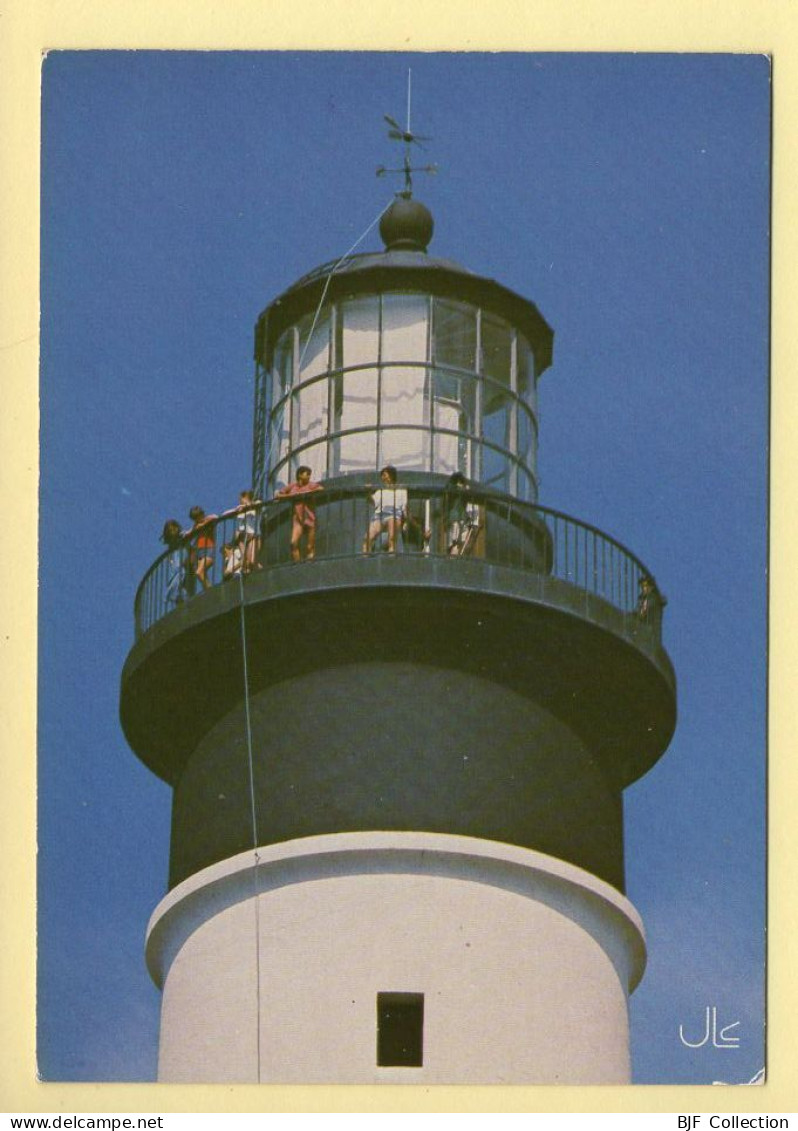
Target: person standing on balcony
x=462, y=517
x=246, y=538
x=240, y=554
x=303, y=517
x=232, y=558
x=390, y=510
x=202, y=543
x=650, y=603
x=172, y=537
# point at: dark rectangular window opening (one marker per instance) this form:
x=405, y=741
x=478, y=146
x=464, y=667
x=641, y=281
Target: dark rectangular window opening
x=400, y=1030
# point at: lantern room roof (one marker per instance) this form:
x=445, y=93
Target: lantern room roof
x=401, y=268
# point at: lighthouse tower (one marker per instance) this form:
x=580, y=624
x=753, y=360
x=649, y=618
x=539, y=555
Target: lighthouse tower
x=398, y=762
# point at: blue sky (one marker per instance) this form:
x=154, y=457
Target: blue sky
x=627, y=196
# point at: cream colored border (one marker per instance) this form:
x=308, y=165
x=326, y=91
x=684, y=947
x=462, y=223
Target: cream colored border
x=29, y=27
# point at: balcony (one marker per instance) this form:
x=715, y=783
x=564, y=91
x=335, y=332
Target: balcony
x=548, y=556
x=517, y=593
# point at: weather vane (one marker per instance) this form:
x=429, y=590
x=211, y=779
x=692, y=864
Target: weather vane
x=396, y=133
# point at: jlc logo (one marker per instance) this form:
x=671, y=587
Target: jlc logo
x=719, y=1037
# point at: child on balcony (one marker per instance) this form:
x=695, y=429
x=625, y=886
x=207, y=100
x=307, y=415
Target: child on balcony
x=172, y=537
x=202, y=544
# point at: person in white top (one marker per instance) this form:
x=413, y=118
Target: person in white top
x=390, y=510
x=241, y=552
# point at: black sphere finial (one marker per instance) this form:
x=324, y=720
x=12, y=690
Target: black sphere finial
x=407, y=225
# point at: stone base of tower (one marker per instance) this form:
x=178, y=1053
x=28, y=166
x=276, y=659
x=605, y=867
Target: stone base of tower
x=511, y=966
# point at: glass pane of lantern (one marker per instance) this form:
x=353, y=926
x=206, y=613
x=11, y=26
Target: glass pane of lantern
x=495, y=469
x=405, y=448
x=314, y=354
x=310, y=412
x=454, y=335
x=405, y=399
x=359, y=324
x=496, y=348
x=404, y=327
x=282, y=365
x=527, y=384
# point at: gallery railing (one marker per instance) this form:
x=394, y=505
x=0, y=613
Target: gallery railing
x=437, y=522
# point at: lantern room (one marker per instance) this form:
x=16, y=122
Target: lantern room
x=404, y=359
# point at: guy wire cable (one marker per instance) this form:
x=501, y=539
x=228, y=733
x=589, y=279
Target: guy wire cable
x=333, y=269
x=254, y=814
x=248, y=721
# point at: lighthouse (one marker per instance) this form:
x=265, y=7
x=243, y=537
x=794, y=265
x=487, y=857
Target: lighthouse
x=399, y=713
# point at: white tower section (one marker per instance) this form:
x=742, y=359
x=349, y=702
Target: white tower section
x=507, y=966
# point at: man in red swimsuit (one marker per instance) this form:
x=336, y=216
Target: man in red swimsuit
x=303, y=524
